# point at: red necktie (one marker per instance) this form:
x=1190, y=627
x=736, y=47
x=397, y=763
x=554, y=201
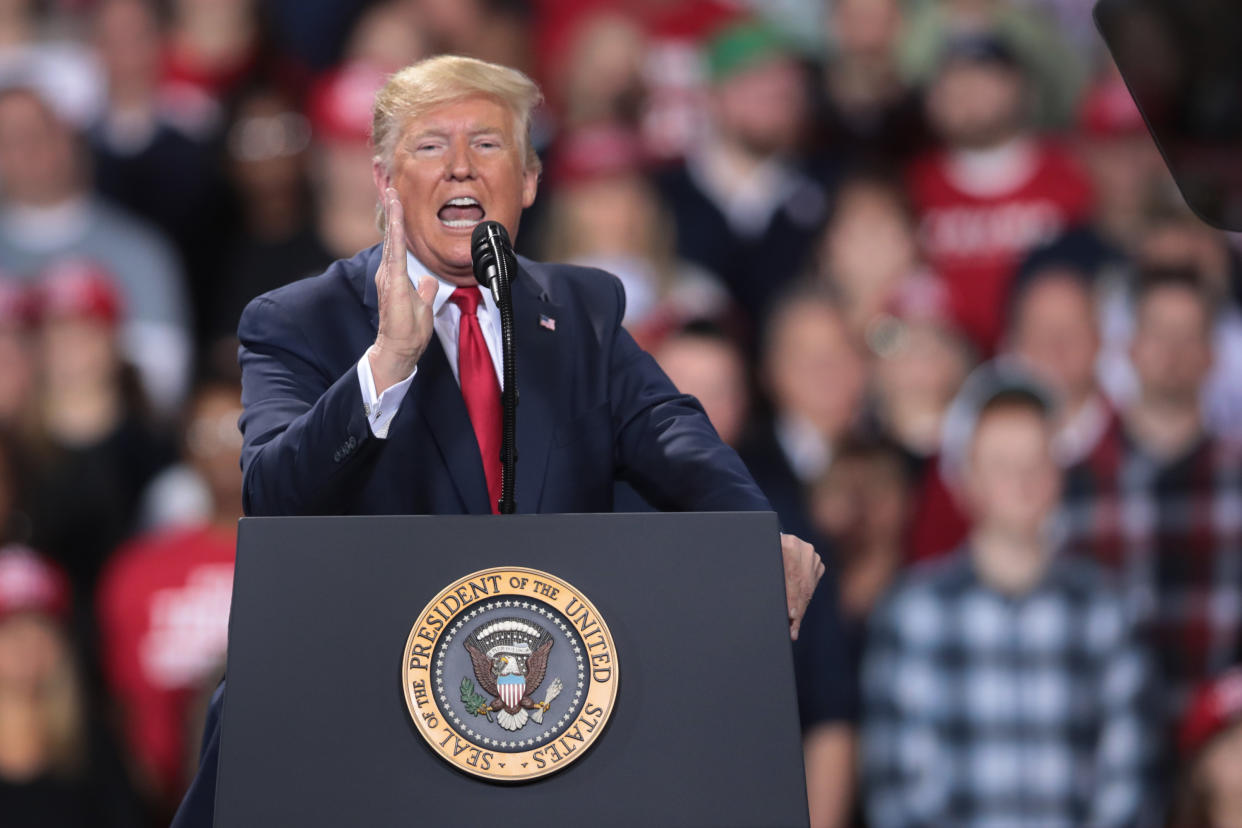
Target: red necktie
x=479, y=387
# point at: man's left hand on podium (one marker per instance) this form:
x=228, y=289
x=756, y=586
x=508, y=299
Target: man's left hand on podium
x=803, y=569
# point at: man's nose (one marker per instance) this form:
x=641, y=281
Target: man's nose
x=459, y=164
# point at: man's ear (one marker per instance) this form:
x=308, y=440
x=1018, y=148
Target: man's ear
x=381, y=177
x=530, y=186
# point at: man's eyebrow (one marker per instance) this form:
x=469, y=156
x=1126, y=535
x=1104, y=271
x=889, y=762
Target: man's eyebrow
x=427, y=133
x=433, y=132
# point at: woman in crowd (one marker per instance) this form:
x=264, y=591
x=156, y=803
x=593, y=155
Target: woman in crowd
x=94, y=449
x=55, y=768
x=604, y=213
x=867, y=250
x=862, y=505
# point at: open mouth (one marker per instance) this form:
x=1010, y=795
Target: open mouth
x=461, y=212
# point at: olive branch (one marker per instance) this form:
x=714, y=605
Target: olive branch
x=476, y=705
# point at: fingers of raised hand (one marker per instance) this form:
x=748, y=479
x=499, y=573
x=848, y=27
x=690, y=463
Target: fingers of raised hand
x=396, y=225
x=394, y=233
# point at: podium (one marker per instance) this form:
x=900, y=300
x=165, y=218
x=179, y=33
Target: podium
x=320, y=727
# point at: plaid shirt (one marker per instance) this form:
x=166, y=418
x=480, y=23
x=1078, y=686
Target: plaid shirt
x=987, y=709
x=1172, y=532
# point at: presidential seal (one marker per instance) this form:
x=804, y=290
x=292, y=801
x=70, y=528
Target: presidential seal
x=510, y=674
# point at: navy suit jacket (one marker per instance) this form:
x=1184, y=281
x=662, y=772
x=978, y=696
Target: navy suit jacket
x=593, y=408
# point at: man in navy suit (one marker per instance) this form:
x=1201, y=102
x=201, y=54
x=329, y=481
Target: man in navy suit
x=374, y=388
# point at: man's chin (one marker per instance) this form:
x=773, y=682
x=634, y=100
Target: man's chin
x=461, y=279
x=447, y=256
x=457, y=267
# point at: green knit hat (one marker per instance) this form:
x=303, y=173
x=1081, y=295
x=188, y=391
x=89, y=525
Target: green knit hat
x=742, y=45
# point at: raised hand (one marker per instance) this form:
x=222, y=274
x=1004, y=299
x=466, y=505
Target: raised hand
x=405, y=318
x=803, y=569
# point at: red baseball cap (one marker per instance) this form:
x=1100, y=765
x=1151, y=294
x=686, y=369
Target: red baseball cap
x=78, y=288
x=341, y=102
x=596, y=152
x=31, y=583
x=1215, y=706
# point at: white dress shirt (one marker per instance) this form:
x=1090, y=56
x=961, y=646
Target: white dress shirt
x=381, y=408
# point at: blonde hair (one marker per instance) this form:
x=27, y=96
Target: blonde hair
x=422, y=86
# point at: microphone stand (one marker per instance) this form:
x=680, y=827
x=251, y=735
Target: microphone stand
x=509, y=392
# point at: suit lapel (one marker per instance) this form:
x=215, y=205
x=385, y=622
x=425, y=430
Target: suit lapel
x=537, y=349
x=442, y=408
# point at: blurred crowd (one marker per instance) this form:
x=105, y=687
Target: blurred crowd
x=919, y=260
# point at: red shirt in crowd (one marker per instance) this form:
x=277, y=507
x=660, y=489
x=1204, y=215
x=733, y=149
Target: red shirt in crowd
x=979, y=213
x=163, y=614
x=938, y=524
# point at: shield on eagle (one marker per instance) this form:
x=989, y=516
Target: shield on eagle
x=512, y=688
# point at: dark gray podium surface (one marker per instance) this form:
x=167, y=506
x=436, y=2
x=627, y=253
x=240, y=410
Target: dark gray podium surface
x=705, y=728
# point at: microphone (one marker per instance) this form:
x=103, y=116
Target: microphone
x=491, y=254
x=488, y=241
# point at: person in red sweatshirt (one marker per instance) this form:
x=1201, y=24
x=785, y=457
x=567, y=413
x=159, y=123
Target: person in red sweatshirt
x=995, y=189
x=164, y=604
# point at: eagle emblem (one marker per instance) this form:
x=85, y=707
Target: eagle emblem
x=510, y=658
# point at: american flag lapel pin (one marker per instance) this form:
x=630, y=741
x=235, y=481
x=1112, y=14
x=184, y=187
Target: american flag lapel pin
x=546, y=321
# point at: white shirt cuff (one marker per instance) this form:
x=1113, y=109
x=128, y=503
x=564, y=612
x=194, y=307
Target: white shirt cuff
x=381, y=408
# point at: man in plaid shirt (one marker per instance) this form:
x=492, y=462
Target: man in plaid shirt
x=1159, y=501
x=1002, y=685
